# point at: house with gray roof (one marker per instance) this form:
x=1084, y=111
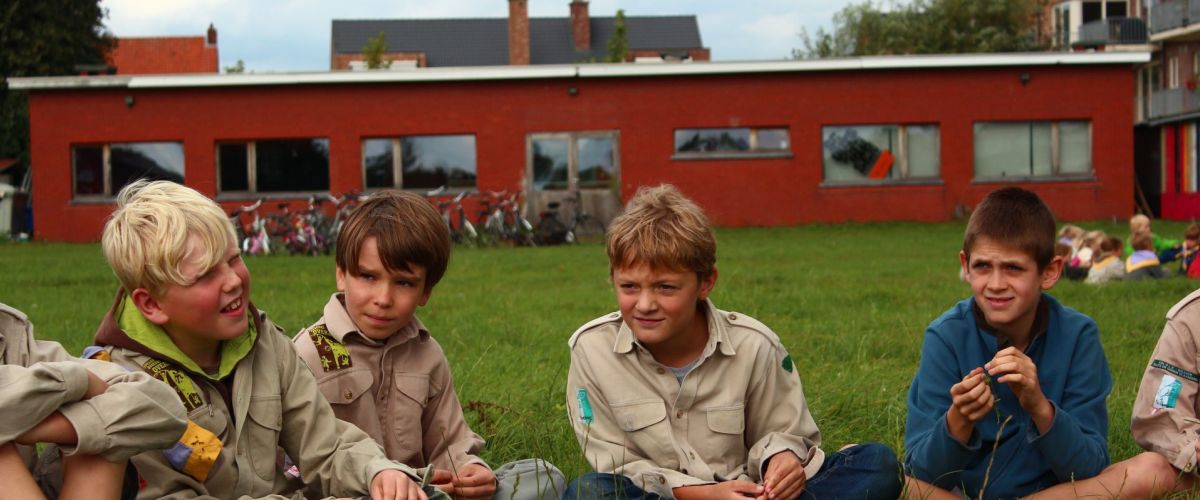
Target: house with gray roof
x=517, y=40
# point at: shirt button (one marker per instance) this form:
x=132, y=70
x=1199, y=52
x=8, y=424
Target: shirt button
x=661, y=371
x=732, y=316
x=679, y=414
x=685, y=471
x=662, y=480
x=349, y=395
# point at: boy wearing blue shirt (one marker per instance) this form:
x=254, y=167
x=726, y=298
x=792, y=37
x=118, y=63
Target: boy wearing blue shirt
x=1009, y=397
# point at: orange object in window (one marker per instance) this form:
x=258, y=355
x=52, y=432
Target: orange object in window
x=882, y=165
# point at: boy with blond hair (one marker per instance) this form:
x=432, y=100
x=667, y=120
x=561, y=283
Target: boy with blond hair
x=671, y=397
x=1009, y=396
x=380, y=368
x=183, y=315
x=97, y=414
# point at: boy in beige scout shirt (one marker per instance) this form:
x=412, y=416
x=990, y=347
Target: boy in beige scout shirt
x=379, y=366
x=98, y=414
x=184, y=315
x=672, y=397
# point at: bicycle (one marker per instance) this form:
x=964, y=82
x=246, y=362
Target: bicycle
x=252, y=239
x=463, y=232
x=551, y=230
x=502, y=219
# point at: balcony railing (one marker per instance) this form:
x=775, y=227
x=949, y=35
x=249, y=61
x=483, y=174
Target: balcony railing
x=1113, y=31
x=1171, y=102
x=1172, y=14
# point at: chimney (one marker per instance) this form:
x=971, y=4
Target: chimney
x=518, y=32
x=211, y=41
x=581, y=26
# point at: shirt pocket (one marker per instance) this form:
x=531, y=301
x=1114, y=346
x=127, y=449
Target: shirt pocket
x=262, y=433
x=406, y=406
x=345, y=387
x=725, y=443
x=643, y=422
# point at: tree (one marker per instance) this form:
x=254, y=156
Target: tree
x=928, y=27
x=374, y=50
x=237, y=68
x=43, y=38
x=618, y=44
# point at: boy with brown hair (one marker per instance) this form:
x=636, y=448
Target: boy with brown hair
x=183, y=314
x=1010, y=391
x=1108, y=265
x=96, y=413
x=672, y=398
x=1143, y=263
x=380, y=368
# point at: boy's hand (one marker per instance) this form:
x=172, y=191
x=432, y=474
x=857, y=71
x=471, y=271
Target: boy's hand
x=733, y=490
x=474, y=481
x=971, y=400
x=1015, y=369
x=96, y=386
x=391, y=484
x=785, y=477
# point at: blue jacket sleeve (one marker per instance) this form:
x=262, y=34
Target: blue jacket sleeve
x=1076, y=444
x=931, y=453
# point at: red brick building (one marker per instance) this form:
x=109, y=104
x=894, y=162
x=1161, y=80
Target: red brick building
x=761, y=143
x=165, y=54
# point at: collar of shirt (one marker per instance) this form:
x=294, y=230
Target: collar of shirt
x=1041, y=323
x=718, y=335
x=343, y=329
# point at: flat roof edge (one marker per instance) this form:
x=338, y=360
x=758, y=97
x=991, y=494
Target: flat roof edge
x=478, y=73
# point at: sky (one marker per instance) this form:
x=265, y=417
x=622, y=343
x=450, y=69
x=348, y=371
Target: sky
x=293, y=35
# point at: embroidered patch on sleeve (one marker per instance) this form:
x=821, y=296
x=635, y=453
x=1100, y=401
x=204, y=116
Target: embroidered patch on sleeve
x=195, y=453
x=1168, y=392
x=787, y=363
x=1180, y=372
x=334, y=356
x=96, y=352
x=585, y=407
x=188, y=394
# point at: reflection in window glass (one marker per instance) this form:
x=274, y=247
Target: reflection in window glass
x=596, y=166
x=712, y=139
x=233, y=167
x=550, y=157
x=146, y=160
x=89, y=170
x=1026, y=149
x=773, y=139
x=876, y=152
x=433, y=161
x=378, y=163
x=292, y=165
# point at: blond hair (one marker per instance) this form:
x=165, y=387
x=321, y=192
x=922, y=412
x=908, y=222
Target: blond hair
x=662, y=228
x=1138, y=223
x=146, y=237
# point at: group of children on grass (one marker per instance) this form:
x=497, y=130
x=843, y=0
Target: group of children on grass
x=1095, y=257
x=669, y=397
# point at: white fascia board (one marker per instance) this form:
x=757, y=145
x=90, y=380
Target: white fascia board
x=342, y=77
x=67, y=82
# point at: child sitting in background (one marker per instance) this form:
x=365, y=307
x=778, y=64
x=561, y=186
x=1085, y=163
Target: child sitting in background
x=1073, y=273
x=1189, y=249
x=1108, y=265
x=1086, y=251
x=1143, y=263
x=1069, y=233
x=1161, y=246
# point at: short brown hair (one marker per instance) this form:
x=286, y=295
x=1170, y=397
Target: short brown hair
x=1062, y=250
x=1016, y=217
x=1112, y=245
x=407, y=230
x=662, y=228
x=1141, y=240
x=1192, y=232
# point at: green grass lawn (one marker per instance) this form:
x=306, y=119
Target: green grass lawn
x=850, y=303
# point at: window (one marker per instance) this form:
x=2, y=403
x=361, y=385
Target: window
x=573, y=160
x=101, y=170
x=859, y=154
x=274, y=166
x=1020, y=150
x=731, y=142
x=420, y=162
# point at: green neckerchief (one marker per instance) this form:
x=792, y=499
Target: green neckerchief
x=138, y=328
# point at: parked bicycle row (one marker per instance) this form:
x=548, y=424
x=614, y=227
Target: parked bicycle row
x=489, y=218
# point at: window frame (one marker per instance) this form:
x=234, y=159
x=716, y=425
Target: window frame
x=251, y=191
x=106, y=168
x=398, y=163
x=753, y=153
x=1056, y=161
x=901, y=156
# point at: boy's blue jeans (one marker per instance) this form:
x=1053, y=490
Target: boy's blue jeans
x=865, y=471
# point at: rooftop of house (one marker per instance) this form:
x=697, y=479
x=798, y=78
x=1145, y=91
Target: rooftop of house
x=484, y=42
x=165, y=54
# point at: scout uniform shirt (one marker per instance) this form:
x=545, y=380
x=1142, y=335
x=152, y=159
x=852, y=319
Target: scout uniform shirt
x=739, y=406
x=262, y=398
x=397, y=390
x=136, y=413
x=1167, y=406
